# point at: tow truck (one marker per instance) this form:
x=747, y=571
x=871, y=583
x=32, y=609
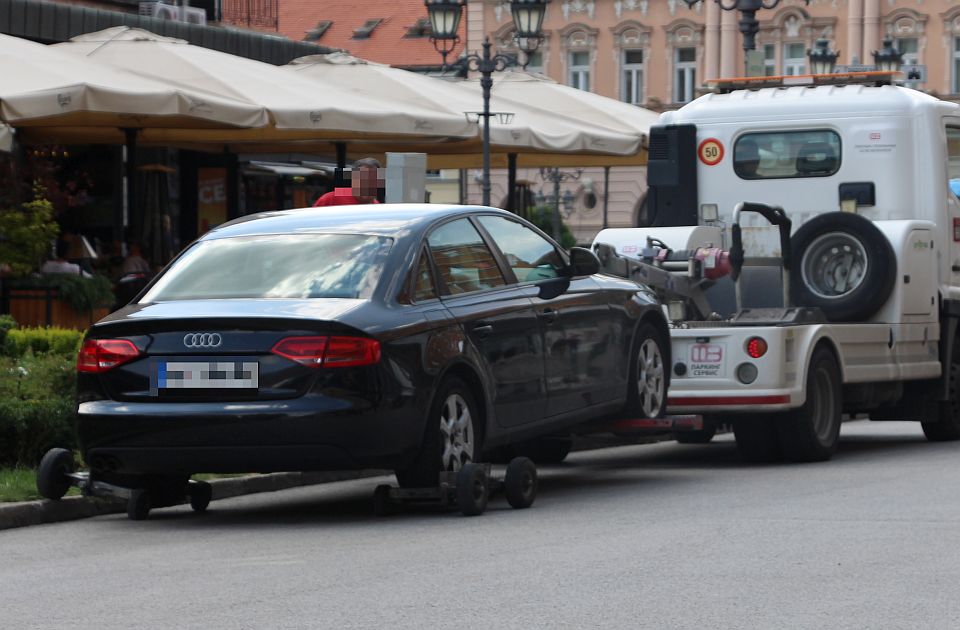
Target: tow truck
x=803, y=236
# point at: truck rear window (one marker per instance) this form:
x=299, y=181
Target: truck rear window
x=787, y=154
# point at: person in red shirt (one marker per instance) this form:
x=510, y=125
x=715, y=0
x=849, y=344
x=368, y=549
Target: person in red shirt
x=365, y=179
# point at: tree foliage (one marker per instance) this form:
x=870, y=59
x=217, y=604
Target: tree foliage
x=26, y=232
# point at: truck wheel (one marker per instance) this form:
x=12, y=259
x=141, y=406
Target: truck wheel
x=701, y=436
x=472, y=490
x=947, y=426
x=757, y=440
x=520, y=483
x=648, y=374
x=811, y=433
x=451, y=439
x=139, y=504
x=200, y=494
x=843, y=265
x=52, y=480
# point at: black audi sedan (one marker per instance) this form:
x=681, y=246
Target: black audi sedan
x=411, y=337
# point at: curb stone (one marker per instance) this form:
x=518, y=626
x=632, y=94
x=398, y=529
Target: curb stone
x=72, y=508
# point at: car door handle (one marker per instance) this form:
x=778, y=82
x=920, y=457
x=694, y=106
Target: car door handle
x=483, y=329
x=548, y=315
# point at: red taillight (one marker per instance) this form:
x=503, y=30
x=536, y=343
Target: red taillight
x=329, y=351
x=100, y=355
x=756, y=347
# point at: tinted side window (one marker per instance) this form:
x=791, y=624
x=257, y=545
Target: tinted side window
x=462, y=258
x=531, y=256
x=787, y=154
x=423, y=285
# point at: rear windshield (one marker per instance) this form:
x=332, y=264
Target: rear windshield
x=276, y=266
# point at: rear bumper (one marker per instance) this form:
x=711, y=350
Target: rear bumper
x=288, y=435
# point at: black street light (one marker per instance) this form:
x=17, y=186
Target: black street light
x=444, y=21
x=822, y=58
x=888, y=58
x=749, y=26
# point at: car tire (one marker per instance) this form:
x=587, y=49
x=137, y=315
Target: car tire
x=833, y=251
x=757, y=440
x=472, y=491
x=700, y=436
x=139, y=504
x=200, y=494
x=52, y=480
x=946, y=428
x=648, y=374
x=451, y=437
x=811, y=432
x=545, y=450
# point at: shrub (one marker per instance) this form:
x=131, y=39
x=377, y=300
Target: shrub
x=6, y=324
x=27, y=232
x=64, y=342
x=542, y=217
x=37, y=406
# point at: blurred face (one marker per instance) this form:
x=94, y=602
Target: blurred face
x=365, y=181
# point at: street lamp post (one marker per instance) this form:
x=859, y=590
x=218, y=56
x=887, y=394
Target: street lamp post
x=749, y=26
x=888, y=58
x=556, y=177
x=527, y=21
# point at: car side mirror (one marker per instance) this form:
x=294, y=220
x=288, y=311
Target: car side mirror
x=583, y=262
x=553, y=287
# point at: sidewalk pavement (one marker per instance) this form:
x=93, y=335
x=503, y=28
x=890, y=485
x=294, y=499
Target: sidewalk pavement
x=72, y=508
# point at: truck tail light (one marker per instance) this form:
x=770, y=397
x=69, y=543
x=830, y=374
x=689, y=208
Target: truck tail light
x=756, y=347
x=331, y=351
x=100, y=355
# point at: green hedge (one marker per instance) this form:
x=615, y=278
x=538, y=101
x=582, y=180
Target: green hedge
x=37, y=395
x=59, y=341
x=6, y=324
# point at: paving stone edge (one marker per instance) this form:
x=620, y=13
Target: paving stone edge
x=72, y=508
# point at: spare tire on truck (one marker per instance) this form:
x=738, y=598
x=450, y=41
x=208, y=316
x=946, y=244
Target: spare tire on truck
x=842, y=264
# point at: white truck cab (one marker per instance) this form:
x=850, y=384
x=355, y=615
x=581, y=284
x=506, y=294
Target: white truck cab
x=849, y=304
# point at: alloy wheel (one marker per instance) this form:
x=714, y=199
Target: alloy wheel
x=650, y=378
x=456, y=433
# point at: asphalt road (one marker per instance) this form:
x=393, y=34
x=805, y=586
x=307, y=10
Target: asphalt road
x=651, y=536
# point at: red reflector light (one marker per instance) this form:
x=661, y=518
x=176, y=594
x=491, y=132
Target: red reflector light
x=329, y=351
x=756, y=347
x=100, y=355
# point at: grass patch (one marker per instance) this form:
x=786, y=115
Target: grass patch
x=20, y=484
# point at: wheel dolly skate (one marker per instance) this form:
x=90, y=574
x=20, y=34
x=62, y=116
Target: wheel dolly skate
x=467, y=489
x=57, y=474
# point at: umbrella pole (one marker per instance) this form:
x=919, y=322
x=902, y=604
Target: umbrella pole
x=341, y=148
x=131, y=176
x=511, y=182
x=606, y=193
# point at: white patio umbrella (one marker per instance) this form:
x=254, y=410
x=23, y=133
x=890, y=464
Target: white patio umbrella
x=44, y=87
x=538, y=135
x=298, y=109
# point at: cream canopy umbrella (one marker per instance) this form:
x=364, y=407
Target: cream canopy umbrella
x=299, y=109
x=43, y=87
x=537, y=135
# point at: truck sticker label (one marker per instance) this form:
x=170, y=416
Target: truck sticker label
x=710, y=151
x=706, y=360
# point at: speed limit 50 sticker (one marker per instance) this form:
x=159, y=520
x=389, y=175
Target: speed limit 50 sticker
x=710, y=151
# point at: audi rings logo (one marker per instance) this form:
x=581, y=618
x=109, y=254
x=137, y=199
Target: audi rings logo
x=202, y=340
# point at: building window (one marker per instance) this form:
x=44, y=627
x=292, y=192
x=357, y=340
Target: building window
x=909, y=49
x=686, y=75
x=579, y=70
x=794, y=59
x=955, y=82
x=769, y=60
x=631, y=90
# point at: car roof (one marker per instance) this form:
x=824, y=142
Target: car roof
x=386, y=219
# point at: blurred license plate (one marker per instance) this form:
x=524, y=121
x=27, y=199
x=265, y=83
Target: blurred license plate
x=204, y=375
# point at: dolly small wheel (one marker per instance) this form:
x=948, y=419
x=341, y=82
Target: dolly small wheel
x=139, y=504
x=472, y=489
x=52, y=480
x=382, y=504
x=200, y=494
x=520, y=482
